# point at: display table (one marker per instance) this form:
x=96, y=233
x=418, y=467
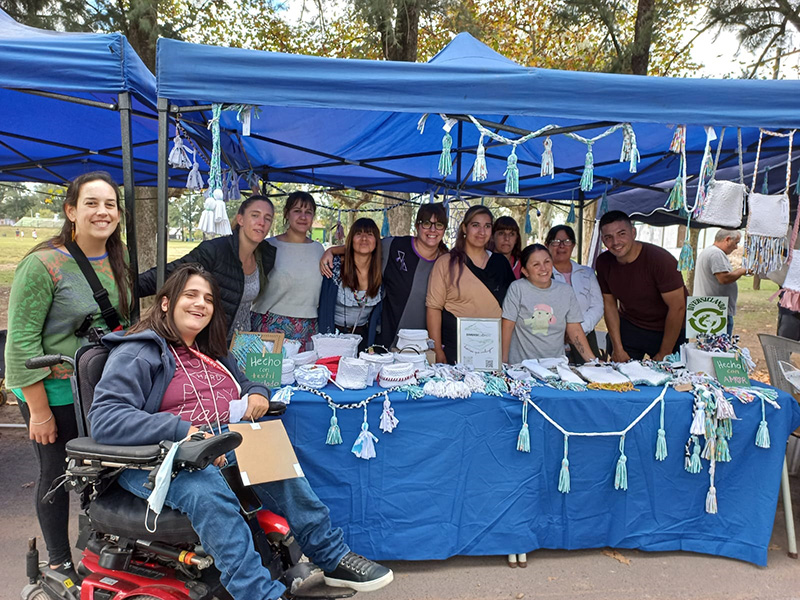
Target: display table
x=449, y=480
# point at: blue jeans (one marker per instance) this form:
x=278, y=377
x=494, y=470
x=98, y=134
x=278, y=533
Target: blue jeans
x=213, y=510
x=730, y=325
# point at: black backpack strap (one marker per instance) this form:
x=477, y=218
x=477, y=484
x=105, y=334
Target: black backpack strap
x=100, y=293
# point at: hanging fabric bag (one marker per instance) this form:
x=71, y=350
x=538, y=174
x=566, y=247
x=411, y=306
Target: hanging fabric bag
x=724, y=203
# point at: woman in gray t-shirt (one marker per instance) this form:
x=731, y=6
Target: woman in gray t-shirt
x=537, y=311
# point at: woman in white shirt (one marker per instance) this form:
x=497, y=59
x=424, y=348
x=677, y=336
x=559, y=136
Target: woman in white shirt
x=560, y=240
x=290, y=302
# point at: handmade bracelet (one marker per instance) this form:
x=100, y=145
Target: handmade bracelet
x=47, y=420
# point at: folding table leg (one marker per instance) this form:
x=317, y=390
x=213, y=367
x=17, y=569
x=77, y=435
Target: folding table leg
x=786, y=496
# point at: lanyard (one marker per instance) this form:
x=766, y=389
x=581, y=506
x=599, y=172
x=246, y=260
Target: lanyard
x=203, y=360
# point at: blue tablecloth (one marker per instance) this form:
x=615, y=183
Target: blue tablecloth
x=449, y=480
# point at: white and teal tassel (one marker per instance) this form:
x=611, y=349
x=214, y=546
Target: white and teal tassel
x=762, y=435
x=446, y=159
x=694, y=464
x=661, y=440
x=548, y=166
x=686, y=260
x=563, y=475
x=621, y=473
x=711, y=496
x=524, y=437
x=512, y=172
x=334, y=433
x=723, y=453
x=571, y=214
x=630, y=151
x=587, y=179
x=388, y=421
x=364, y=446
x=479, y=172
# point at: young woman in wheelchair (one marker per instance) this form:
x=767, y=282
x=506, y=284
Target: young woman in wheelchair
x=169, y=375
x=51, y=309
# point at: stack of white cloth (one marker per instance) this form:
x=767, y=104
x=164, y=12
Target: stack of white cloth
x=602, y=374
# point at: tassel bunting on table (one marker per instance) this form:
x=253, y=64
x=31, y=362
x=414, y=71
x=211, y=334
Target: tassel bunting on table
x=698, y=421
x=661, y=440
x=587, y=179
x=621, y=474
x=693, y=463
x=178, y=157
x=711, y=496
x=512, y=172
x=479, y=172
x=446, y=159
x=334, y=433
x=723, y=453
x=524, y=437
x=365, y=442
x=414, y=392
x=388, y=420
x=563, y=475
x=762, y=435
x=548, y=167
x=571, y=214
x=494, y=386
x=385, y=225
x=528, y=227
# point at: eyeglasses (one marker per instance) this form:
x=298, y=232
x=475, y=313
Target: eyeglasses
x=566, y=243
x=435, y=224
x=507, y=233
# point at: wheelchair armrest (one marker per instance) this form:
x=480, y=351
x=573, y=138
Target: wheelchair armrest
x=85, y=448
x=198, y=454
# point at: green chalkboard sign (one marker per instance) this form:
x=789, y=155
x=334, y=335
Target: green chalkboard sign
x=264, y=368
x=731, y=372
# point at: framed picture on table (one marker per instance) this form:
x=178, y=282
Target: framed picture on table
x=479, y=343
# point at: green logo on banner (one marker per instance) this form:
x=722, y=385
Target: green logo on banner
x=731, y=372
x=264, y=368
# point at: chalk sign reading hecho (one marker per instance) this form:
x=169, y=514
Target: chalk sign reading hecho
x=731, y=372
x=264, y=368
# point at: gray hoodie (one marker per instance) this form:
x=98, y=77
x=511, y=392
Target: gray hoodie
x=127, y=399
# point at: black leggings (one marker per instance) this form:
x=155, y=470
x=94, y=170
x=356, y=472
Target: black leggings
x=54, y=516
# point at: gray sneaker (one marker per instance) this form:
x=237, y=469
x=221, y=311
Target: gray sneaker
x=359, y=573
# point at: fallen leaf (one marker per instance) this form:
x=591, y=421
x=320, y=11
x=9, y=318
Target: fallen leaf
x=520, y=596
x=552, y=579
x=617, y=556
x=27, y=485
x=773, y=547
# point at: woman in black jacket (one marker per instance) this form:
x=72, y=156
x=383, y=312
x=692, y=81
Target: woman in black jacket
x=240, y=262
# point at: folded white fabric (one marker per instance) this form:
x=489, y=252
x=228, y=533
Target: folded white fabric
x=551, y=363
x=519, y=374
x=567, y=375
x=602, y=375
x=305, y=358
x=236, y=410
x=640, y=374
x=287, y=372
x=538, y=370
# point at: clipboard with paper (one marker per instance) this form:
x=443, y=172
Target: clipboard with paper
x=266, y=453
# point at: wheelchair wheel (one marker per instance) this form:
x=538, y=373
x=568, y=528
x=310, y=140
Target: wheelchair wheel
x=34, y=592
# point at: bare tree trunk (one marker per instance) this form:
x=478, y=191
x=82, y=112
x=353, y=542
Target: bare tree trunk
x=643, y=37
x=402, y=217
x=146, y=203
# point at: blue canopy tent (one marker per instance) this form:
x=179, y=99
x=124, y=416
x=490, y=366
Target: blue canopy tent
x=74, y=103
x=354, y=123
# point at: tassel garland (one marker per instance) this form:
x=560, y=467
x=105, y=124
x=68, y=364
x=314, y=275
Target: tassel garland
x=722, y=453
x=524, y=437
x=547, y=159
x=571, y=215
x=334, y=433
x=563, y=475
x=194, y=181
x=621, y=474
x=479, y=172
x=661, y=440
x=694, y=465
x=512, y=172
x=678, y=139
x=630, y=151
x=686, y=260
x=446, y=160
x=587, y=179
x=698, y=422
x=364, y=446
x=711, y=501
x=762, y=435
x=178, y=157
x=604, y=204
x=388, y=420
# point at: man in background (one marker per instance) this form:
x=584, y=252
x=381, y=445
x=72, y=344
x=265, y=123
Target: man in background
x=644, y=299
x=713, y=273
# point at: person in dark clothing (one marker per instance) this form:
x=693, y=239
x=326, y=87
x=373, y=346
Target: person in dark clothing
x=240, y=262
x=349, y=300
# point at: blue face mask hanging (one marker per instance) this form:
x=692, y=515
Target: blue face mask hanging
x=158, y=496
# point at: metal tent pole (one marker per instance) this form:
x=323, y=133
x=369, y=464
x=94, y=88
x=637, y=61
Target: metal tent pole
x=128, y=183
x=163, y=174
